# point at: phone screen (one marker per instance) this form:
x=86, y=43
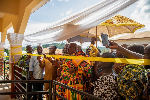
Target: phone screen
x=104, y=38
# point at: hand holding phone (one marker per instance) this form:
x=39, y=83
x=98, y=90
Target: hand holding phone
x=104, y=38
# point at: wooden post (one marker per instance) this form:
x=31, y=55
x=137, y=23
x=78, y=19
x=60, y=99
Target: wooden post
x=96, y=36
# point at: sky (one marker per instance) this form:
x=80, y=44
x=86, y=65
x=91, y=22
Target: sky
x=56, y=10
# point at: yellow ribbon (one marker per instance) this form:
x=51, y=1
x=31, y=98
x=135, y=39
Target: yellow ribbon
x=115, y=60
x=15, y=47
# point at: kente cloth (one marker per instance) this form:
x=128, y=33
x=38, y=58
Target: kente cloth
x=131, y=81
x=24, y=63
x=81, y=53
x=50, y=71
x=106, y=87
x=77, y=79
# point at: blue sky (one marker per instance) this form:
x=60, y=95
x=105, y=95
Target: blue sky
x=55, y=10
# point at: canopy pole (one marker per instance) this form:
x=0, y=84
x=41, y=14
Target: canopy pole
x=96, y=36
x=81, y=41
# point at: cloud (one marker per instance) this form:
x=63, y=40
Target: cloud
x=53, y=4
x=62, y=14
x=31, y=28
x=69, y=12
x=66, y=0
x=142, y=14
x=143, y=2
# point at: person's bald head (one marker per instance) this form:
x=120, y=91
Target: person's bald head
x=138, y=48
x=72, y=48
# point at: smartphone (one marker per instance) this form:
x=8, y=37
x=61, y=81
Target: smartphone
x=104, y=38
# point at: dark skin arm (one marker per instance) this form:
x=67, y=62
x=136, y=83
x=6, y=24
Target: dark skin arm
x=124, y=51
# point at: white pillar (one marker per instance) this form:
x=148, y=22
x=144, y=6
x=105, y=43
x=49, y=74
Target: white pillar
x=15, y=41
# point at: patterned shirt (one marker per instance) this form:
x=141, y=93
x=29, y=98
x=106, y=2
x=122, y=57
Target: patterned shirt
x=77, y=79
x=34, y=66
x=106, y=87
x=24, y=63
x=131, y=81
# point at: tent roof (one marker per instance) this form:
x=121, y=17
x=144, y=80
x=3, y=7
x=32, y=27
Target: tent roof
x=79, y=22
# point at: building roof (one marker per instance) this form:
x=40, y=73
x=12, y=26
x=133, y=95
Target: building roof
x=138, y=35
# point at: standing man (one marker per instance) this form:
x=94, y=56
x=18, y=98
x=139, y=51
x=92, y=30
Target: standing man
x=50, y=67
x=54, y=61
x=36, y=73
x=75, y=73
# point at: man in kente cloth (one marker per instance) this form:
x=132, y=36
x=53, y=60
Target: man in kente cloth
x=75, y=73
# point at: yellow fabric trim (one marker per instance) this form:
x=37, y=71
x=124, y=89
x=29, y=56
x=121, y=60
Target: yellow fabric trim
x=115, y=60
x=15, y=47
x=19, y=53
x=121, y=24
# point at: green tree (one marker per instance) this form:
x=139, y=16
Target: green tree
x=7, y=51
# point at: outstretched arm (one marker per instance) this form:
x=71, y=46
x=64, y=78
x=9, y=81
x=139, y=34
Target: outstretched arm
x=124, y=51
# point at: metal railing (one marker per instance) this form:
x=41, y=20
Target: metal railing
x=89, y=96
x=18, y=75
x=1, y=70
x=21, y=90
x=4, y=70
x=54, y=94
x=27, y=92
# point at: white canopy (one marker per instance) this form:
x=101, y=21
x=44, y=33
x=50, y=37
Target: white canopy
x=79, y=22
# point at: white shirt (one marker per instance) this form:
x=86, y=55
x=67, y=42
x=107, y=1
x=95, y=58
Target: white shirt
x=34, y=66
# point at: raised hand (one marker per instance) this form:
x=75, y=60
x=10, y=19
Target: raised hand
x=39, y=58
x=71, y=70
x=113, y=45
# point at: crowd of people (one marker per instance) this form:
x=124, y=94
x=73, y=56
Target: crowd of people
x=106, y=80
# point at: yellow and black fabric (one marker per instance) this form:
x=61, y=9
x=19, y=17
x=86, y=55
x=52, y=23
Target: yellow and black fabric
x=131, y=81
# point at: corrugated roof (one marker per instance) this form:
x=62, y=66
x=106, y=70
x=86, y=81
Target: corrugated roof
x=137, y=35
